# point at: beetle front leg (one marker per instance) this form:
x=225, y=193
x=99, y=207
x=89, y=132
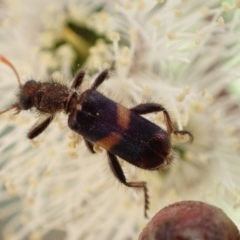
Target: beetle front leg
x=146, y=108
x=118, y=173
x=100, y=79
x=78, y=80
x=39, y=128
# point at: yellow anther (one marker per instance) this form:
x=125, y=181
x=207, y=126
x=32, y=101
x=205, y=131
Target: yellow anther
x=177, y=13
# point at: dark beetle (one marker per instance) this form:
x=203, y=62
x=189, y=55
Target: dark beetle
x=119, y=130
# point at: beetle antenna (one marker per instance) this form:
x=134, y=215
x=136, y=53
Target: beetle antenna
x=8, y=63
x=15, y=105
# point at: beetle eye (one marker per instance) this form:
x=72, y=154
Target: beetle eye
x=25, y=102
x=26, y=93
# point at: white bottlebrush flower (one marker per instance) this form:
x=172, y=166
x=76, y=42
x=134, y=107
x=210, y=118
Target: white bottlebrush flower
x=181, y=54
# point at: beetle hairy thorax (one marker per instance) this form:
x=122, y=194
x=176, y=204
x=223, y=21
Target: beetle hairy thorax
x=46, y=97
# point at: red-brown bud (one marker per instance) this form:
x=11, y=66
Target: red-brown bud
x=190, y=220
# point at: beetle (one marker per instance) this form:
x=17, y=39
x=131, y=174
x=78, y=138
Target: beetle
x=122, y=132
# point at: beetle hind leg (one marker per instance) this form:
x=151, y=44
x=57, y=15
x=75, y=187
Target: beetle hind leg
x=146, y=108
x=118, y=173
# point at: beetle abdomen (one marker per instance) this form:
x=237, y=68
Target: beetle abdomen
x=120, y=131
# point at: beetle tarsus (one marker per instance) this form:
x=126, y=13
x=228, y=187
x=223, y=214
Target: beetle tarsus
x=183, y=132
x=89, y=145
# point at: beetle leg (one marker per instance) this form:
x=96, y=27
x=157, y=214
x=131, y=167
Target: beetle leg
x=78, y=80
x=39, y=128
x=118, y=173
x=100, y=79
x=146, y=108
x=89, y=145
